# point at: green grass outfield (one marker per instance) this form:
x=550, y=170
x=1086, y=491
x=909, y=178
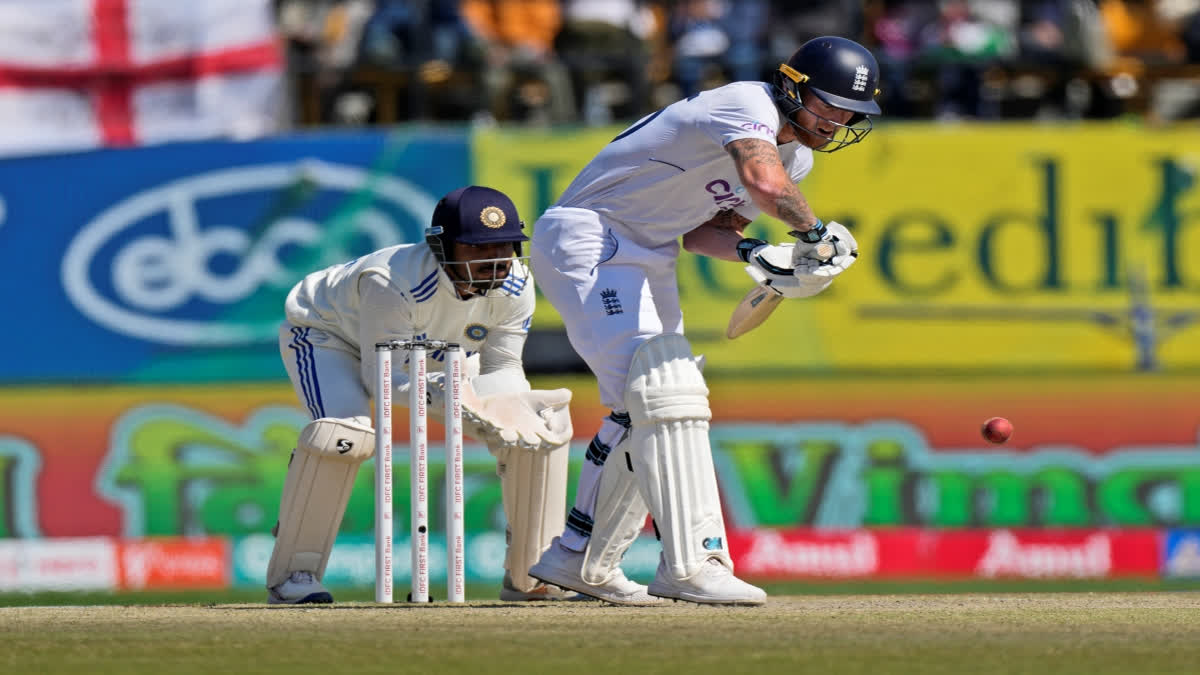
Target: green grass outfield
x=933, y=627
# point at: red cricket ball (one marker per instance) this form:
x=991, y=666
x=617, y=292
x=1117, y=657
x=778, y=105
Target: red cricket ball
x=997, y=430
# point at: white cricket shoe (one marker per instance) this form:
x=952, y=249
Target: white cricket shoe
x=563, y=567
x=714, y=584
x=541, y=592
x=301, y=588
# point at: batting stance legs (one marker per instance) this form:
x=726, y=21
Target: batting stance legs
x=620, y=304
x=323, y=468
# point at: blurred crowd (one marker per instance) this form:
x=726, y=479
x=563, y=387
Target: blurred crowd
x=599, y=61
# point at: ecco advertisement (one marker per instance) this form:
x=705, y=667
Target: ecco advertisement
x=171, y=263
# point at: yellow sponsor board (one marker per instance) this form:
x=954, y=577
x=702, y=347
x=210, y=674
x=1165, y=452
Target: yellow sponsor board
x=1006, y=247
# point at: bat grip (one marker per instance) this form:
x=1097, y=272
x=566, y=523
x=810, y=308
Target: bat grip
x=821, y=251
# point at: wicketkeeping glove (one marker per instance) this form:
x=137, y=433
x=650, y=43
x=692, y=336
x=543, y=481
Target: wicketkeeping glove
x=531, y=420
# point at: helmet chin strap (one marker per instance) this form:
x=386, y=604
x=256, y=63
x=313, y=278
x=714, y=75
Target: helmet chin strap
x=847, y=131
x=456, y=280
x=474, y=286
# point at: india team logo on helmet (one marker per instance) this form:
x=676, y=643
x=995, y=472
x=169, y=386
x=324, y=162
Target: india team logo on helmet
x=493, y=217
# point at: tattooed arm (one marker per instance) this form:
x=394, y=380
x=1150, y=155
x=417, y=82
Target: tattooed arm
x=772, y=189
x=718, y=237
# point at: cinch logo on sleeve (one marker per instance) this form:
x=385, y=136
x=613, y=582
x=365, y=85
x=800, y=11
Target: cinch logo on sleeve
x=185, y=263
x=724, y=195
x=758, y=127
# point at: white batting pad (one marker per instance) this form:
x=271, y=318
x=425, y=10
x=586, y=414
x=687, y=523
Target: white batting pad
x=315, y=493
x=534, y=489
x=619, y=515
x=668, y=406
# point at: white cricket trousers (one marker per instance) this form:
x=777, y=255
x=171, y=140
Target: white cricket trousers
x=613, y=294
x=324, y=374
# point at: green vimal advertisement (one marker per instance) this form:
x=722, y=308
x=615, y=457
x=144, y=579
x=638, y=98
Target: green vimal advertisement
x=1104, y=451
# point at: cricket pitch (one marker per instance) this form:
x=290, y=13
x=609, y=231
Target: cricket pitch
x=962, y=633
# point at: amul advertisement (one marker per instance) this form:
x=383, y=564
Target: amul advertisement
x=1007, y=247
x=1109, y=451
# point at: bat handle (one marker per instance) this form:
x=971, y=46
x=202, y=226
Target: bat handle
x=823, y=250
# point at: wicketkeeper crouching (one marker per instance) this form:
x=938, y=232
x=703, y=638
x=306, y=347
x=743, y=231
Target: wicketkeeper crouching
x=467, y=283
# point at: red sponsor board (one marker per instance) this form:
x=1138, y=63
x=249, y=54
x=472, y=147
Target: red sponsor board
x=1034, y=554
x=174, y=563
x=57, y=564
x=1031, y=554
x=797, y=554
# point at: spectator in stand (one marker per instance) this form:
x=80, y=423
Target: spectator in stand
x=1152, y=33
x=608, y=47
x=323, y=35
x=408, y=33
x=1140, y=33
x=1057, y=42
x=322, y=38
x=894, y=31
x=1065, y=33
x=714, y=34
x=432, y=45
x=1180, y=98
x=1186, y=15
x=965, y=41
x=794, y=22
x=524, y=77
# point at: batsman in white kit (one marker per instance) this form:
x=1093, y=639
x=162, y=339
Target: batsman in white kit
x=465, y=284
x=605, y=253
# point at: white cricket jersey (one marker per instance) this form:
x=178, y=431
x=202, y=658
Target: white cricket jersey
x=669, y=173
x=401, y=292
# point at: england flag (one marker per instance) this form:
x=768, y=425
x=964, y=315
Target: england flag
x=80, y=74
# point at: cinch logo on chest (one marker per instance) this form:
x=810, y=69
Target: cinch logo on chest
x=724, y=195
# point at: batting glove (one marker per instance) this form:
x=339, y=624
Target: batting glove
x=772, y=265
x=845, y=253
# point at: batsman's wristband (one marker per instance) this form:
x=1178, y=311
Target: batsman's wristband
x=746, y=246
x=814, y=235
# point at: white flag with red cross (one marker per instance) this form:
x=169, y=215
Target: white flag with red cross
x=79, y=74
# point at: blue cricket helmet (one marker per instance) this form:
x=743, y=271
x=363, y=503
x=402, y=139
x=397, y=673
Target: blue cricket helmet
x=840, y=72
x=474, y=215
